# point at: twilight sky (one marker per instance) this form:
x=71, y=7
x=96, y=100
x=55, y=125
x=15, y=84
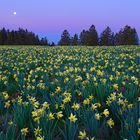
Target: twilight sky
x=50, y=17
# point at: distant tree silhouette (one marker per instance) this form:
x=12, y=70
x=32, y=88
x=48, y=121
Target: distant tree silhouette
x=117, y=40
x=44, y=41
x=65, y=39
x=19, y=37
x=107, y=37
x=11, y=38
x=52, y=44
x=83, y=37
x=3, y=36
x=92, y=36
x=127, y=36
x=74, y=40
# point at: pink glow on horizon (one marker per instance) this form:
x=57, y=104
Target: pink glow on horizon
x=52, y=17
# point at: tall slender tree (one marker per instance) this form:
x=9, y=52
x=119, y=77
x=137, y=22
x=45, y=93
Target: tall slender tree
x=107, y=37
x=65, y=39
x=92, y=36
x=74, y=40
x=89, y=37
x=83, y=37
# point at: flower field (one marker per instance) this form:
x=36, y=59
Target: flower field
x=70, y=93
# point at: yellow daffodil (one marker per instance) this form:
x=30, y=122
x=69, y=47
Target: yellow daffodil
x=76, y=106
x=59, y=115
x=100, y=73
x=10, y=123
x=82, y=135
x=7, y=104
x=90, y=97
x=97, y=116
x=37, y=131
x=39, y=138
x=115, y=86
x=24, y=131
x=37, y=119
x=46, y=105
x=106, y=112
x=86, y=102
x=72, y=118
x=110, y=122
x=93, y=106
x=62, y=106
x=5, y=95
x=36, y=104
x=51, y=116
x=20, y=100
x=67, y=100
x=57, y=90
x=130, y=106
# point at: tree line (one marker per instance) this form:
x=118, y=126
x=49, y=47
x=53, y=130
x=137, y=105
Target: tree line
x=21, y=37
x=126, y=36
x=90, y=37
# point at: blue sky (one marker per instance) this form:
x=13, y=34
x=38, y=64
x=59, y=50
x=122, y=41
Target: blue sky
x=50, y=17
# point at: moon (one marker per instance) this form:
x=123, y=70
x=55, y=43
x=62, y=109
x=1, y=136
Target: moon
x=14, y=13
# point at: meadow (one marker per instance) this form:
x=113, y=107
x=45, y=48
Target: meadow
x=69, y=93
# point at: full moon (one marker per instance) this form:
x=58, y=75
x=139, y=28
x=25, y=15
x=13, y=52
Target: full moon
x=14, y=13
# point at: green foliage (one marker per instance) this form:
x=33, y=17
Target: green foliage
x=69, y=93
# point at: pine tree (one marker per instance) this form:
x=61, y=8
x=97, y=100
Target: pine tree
x=44, y=41
x=3, y=36
x=84, y=38
x=92, y=39
x=107, y=37
x=74, y=41
x=127, y=36
x=65, y=39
